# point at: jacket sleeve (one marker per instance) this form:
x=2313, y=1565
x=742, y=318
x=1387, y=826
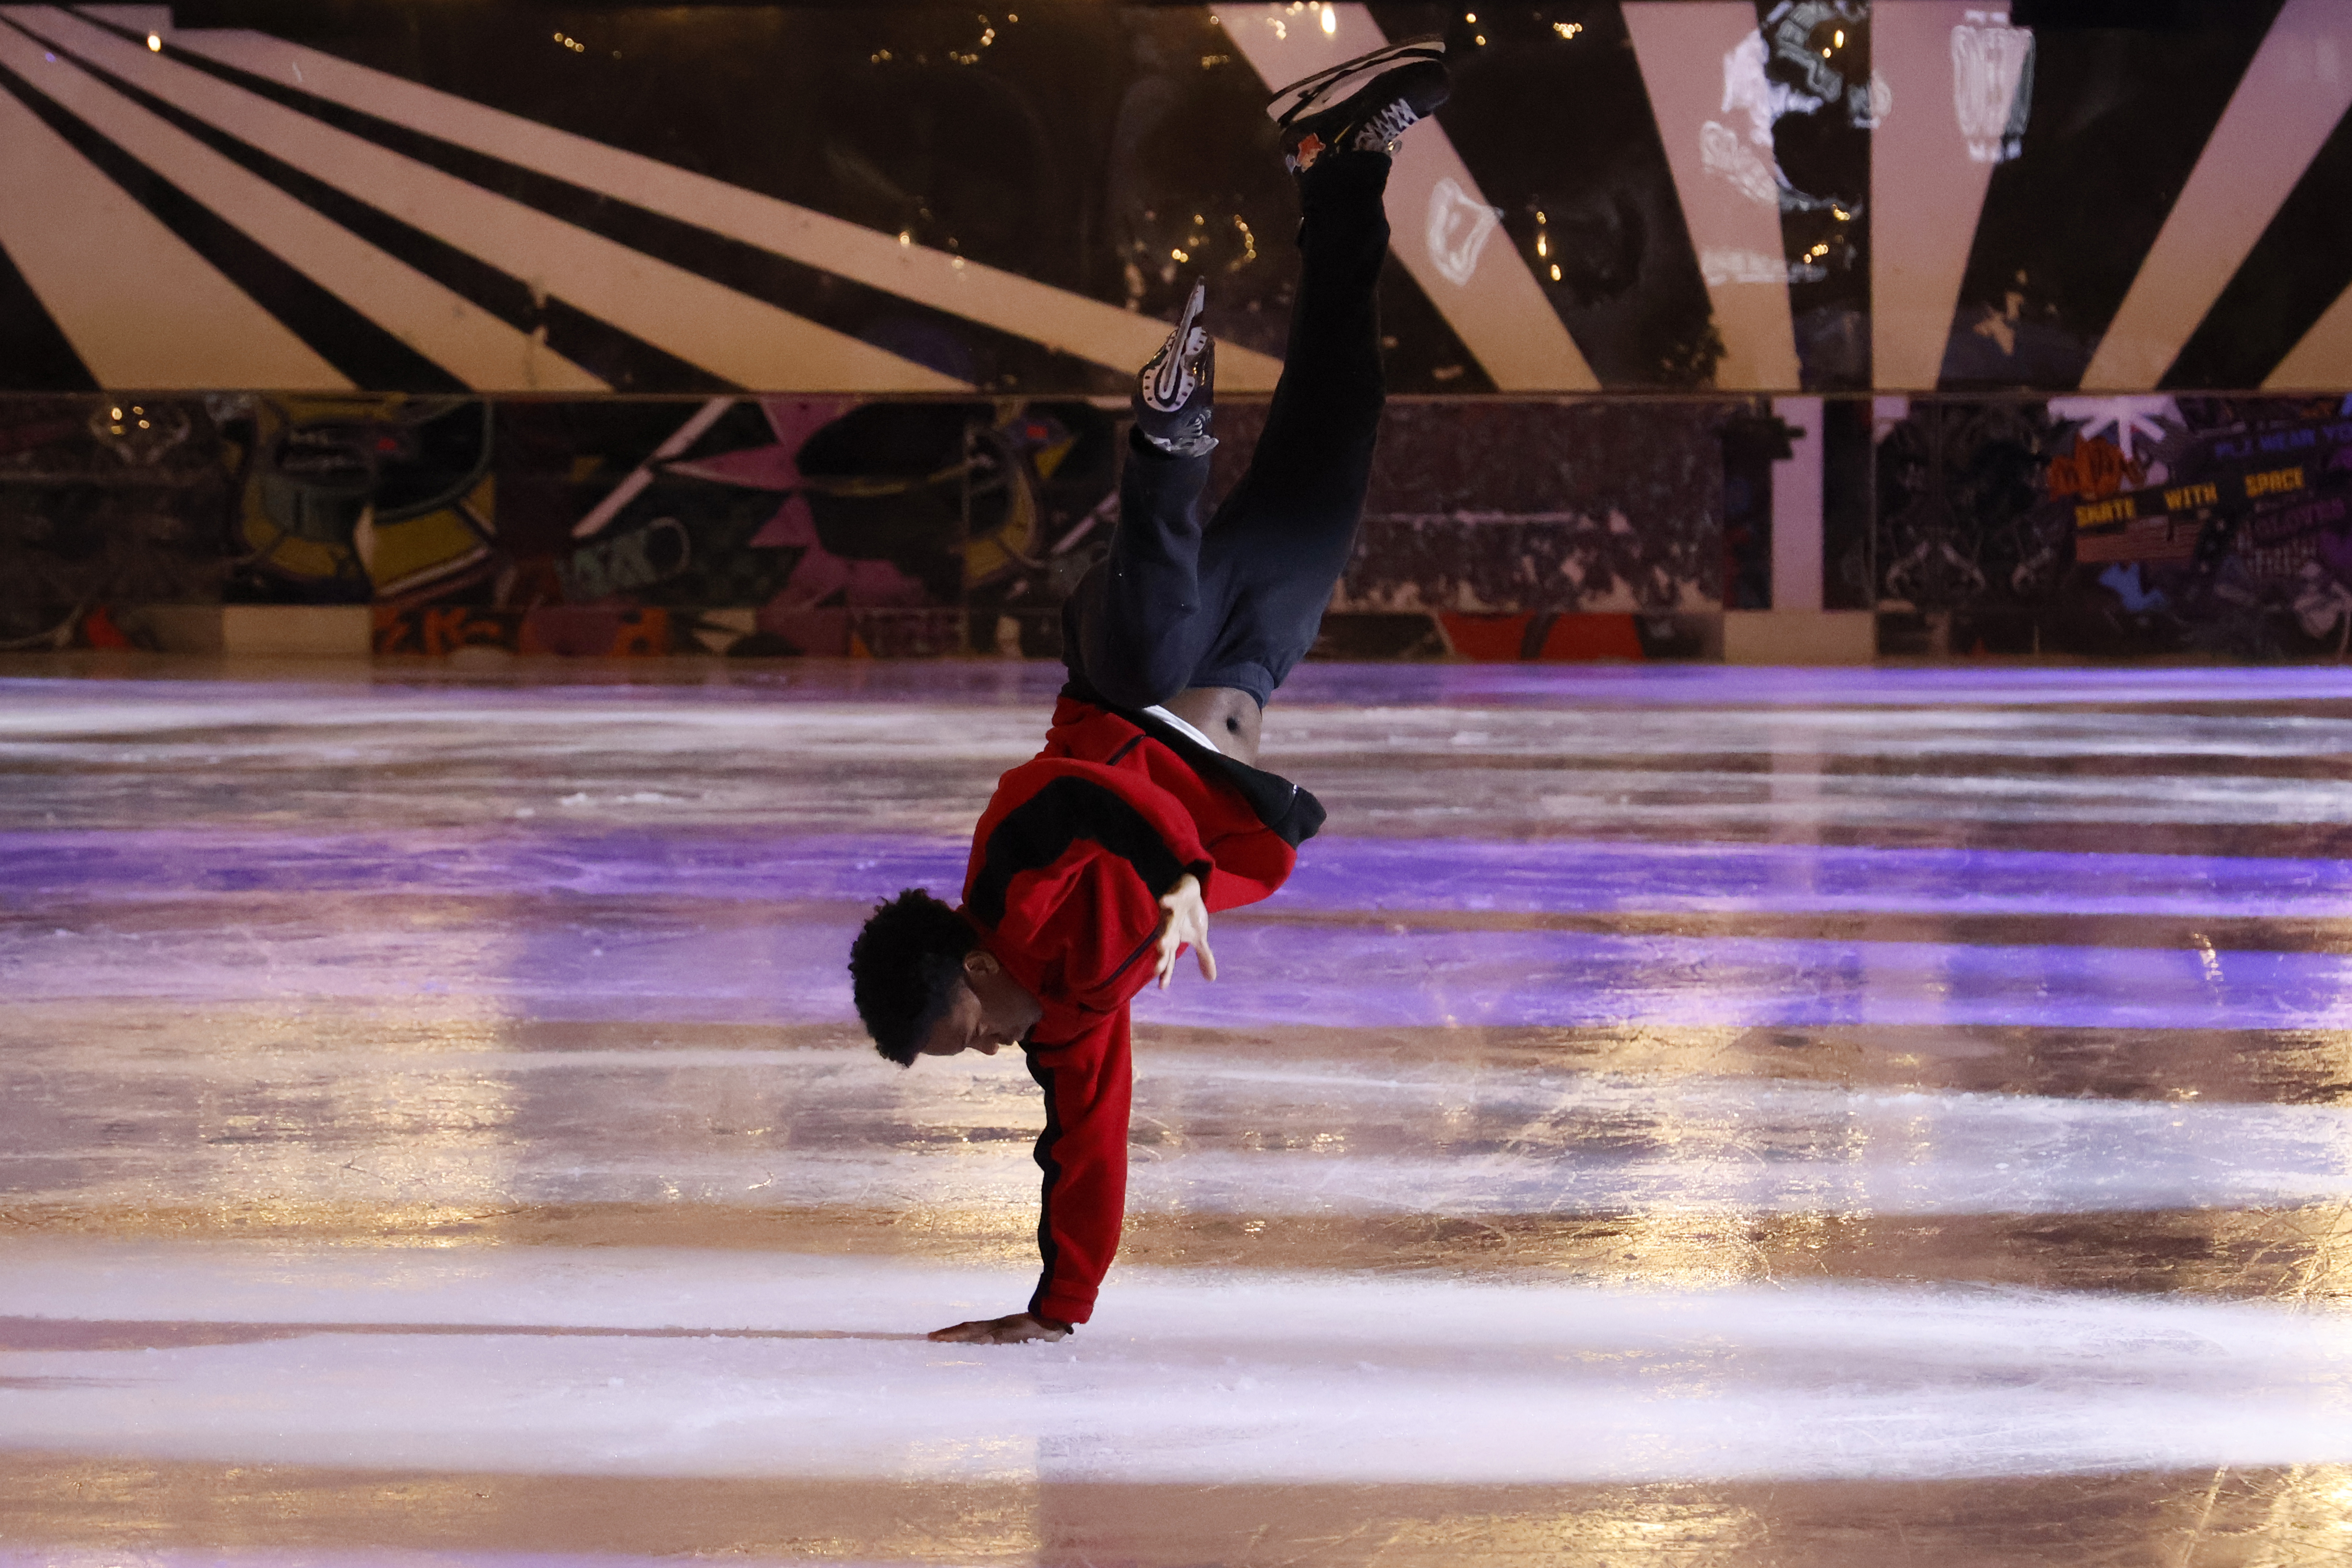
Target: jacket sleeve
x=1088, y=1085
x=1253, y=864
x=1070, y=863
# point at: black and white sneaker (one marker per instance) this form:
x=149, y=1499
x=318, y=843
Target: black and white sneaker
x=1174, y=392
x=1364, y=105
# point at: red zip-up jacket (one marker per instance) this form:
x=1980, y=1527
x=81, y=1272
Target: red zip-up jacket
x=1069, y=864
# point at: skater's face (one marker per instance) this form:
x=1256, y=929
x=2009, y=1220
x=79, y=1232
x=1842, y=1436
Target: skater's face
x=987, y=1012
x=963, y=1028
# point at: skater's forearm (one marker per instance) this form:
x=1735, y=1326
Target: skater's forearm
x=1083, y=1156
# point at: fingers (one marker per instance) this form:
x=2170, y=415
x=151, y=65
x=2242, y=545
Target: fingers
x=1196, y=931
x=1018, y=1329
x=1186, y=921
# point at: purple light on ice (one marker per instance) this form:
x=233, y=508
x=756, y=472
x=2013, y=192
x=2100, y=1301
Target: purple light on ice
x=662, y=967
x=1545, y=877
x=1002, y=682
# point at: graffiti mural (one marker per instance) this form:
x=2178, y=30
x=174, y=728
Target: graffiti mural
x=349, y=500
x=108, y=504
x=2164, y=524
x=2121, y=525
x=779, y=527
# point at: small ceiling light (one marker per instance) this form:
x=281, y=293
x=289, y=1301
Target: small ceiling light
x=155, y=43
x=1330, y=21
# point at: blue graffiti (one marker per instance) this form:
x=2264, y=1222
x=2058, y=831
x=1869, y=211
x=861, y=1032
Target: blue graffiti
x=2125, y=580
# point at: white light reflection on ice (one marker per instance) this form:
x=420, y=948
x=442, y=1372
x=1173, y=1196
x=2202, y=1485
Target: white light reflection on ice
x=1189, y=1376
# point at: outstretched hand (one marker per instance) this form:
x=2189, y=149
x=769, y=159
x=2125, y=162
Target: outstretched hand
x=1186, y=919
x=1019, y=1328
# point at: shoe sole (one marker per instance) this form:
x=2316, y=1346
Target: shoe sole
x=1167, y=391
x=1313, y=94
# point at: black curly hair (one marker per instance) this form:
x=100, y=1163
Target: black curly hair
x=904, y=968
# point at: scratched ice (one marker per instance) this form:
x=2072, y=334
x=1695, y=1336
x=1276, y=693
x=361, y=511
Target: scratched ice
x=1559, y=876
x=839, y=1127
x=669, y=962
x=685, y=1363
x=1717, y=1078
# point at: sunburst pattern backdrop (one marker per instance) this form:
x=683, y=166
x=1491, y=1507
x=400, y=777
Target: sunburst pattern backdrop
x=1790, y=196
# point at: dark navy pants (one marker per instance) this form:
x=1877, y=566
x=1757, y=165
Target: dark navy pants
x=1237, y=602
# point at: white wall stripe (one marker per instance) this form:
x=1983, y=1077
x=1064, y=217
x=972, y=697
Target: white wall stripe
x=1074, y=323
x=1442, y=230
x=1926, y=189
x=629, y=489
x=1681, y=45
x=2293, y=93
x=468, y=342
x=1797, y=509
x=2323, y=360
x=140, y=307
x=731, y=335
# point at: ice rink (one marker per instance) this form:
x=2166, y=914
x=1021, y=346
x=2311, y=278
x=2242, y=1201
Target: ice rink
x=1672, y=1118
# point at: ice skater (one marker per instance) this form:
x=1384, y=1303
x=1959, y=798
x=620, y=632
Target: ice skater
x=1099, y=860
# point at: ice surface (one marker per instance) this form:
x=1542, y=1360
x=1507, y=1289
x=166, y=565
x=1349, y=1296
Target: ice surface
x=1700, y=1077
x=688, y=1363
x=243, y=1556
x=811, y=1128
x=1593, y=759
x=668, y=961
x=1440, y=874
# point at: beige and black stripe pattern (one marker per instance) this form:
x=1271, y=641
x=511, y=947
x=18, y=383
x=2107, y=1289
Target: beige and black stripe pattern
x=2051, y=209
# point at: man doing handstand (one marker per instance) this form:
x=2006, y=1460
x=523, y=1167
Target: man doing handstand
x=1145, y=812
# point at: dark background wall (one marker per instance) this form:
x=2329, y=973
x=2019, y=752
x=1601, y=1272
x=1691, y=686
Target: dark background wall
x=777, y=329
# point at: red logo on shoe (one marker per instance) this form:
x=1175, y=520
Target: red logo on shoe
x=1308, y=150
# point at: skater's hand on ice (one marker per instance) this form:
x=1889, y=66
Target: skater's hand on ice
x=1018, y=1329
x=1186, y=920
